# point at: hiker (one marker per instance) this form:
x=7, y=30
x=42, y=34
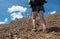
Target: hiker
x=37, y=7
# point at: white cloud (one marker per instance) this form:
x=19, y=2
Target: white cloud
x=15, y=14
x=17, y=8
x=2, y=22
x=5, y=20
x=53, y=12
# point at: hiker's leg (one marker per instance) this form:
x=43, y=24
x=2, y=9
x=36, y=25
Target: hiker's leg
x=42, y=19
x=34, y=18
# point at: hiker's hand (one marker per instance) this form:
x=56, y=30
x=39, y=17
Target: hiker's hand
x=30, y=6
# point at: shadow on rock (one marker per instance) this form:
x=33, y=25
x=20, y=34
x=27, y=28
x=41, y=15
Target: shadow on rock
x=55, y=29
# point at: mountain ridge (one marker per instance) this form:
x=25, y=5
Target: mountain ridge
x=21, y=29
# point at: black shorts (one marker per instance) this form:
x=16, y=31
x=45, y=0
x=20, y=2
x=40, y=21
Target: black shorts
x=37, y=8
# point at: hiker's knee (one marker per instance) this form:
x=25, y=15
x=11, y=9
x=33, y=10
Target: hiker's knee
x=41, y=14
x=34, y=17
x=35, y=14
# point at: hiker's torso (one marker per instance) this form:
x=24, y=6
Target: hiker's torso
x=36, y=2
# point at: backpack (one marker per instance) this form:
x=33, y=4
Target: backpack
x=37, y=2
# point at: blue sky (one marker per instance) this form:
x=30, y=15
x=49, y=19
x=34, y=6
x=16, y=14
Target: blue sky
x=11, y=9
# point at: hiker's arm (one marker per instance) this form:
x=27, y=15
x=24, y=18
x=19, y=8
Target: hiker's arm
x=45, y=1
x=29, y=3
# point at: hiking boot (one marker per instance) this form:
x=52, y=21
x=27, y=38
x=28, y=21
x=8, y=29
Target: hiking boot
x=34, y=30
x=45, y=30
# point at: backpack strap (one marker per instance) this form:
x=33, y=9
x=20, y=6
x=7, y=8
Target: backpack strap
x=37, y=2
